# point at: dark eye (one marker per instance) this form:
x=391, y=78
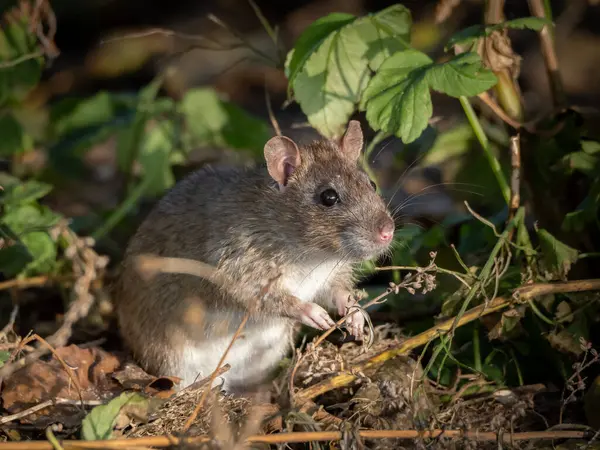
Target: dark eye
x=329, y=197
x=373, y=185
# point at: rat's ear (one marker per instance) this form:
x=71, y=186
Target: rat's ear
x=283, y=157
x=352, y=142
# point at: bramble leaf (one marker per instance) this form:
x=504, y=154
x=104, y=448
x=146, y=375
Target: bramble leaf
x=13, y=135
x=398, y=100
x=330, y=83
x=463, y=75
x=472, y=33
x=24, y=192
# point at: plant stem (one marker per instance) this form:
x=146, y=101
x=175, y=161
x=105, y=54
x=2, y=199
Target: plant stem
x=476, y=349
x=487, y=150
x=118, y=214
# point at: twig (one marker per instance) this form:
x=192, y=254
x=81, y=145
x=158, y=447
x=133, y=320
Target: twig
x=485, y=98
x=549, y=53
x=522, y=294
x=11, y=321
x=515, y=179
x=344, y=379
x=304, y=436
x=44, y=405
x=24, y=283
x=21, y=59
x=272, y=117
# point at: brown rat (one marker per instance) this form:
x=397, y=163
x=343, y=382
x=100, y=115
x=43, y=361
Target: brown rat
x=309, y=216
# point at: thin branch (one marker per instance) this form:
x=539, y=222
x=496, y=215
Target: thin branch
x=515, y=178
x=272, y=117
x=21, y=59
x=304, y=436
x=549, y=53
x=497, y=109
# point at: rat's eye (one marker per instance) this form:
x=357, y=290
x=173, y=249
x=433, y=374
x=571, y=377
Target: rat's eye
x=329, y=197
x=373, y=185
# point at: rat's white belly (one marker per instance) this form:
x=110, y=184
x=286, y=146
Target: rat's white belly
x=306, y=282
x=252, y=357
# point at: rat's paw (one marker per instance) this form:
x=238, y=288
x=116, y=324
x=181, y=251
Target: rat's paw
x=355, y=324
x=315, y=316
x=343, y=300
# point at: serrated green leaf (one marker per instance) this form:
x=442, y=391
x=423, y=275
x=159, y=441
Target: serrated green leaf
x=463, y=75
x=99, y=423
x=311, y=39
x=13, y=136
x=24, y=192
x=212, y=121
x=557, y=256
x=397, y=98
x=330, y=83
x=472, y=33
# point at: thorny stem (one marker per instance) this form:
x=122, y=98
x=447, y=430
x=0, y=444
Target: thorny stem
x=487, y=149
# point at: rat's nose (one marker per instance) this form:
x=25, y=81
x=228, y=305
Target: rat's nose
x=386, y=231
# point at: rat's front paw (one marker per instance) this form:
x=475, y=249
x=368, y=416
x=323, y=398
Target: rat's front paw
x=314, y=316
x=355, y=323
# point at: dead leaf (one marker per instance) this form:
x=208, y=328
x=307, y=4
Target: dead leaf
x=132, y=377
x=564, y=342
x=497, y=53
x=48, y=380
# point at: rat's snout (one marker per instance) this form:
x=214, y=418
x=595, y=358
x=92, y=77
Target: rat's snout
x=385, y=230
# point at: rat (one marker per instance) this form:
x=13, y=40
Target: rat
x=298, y=225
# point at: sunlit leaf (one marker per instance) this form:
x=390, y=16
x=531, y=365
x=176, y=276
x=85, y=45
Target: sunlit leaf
x=329, y=85
x=100, y=422
x=463, y=75
x=25, y=192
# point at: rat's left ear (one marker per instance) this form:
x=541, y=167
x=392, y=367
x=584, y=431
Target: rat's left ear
x=352, y=141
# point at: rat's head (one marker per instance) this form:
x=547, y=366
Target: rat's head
x=341, y=211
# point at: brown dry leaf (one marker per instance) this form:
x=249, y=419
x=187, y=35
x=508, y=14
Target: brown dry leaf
x=48, y=380
x=133, y=377
x=497, y=53
x=565, y=342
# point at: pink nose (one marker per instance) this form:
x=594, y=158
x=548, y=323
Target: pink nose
x=386, y=231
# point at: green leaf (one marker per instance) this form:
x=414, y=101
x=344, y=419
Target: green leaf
x=130, y=138
x=557, y=256
x=99, y=423
x=472, y=33
x=590, y=147
x=17, y=47
x=29, y=217
x=463, y=75
x=4, y=355
x=397, y=98
x=75, y=114
x=42, y=249
x=14, y=259
x=211, y=121
x=13, y=136
x=26, y=192
x=156, y=147
x=311, y=39
x=582, y=161
x=329, y=84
